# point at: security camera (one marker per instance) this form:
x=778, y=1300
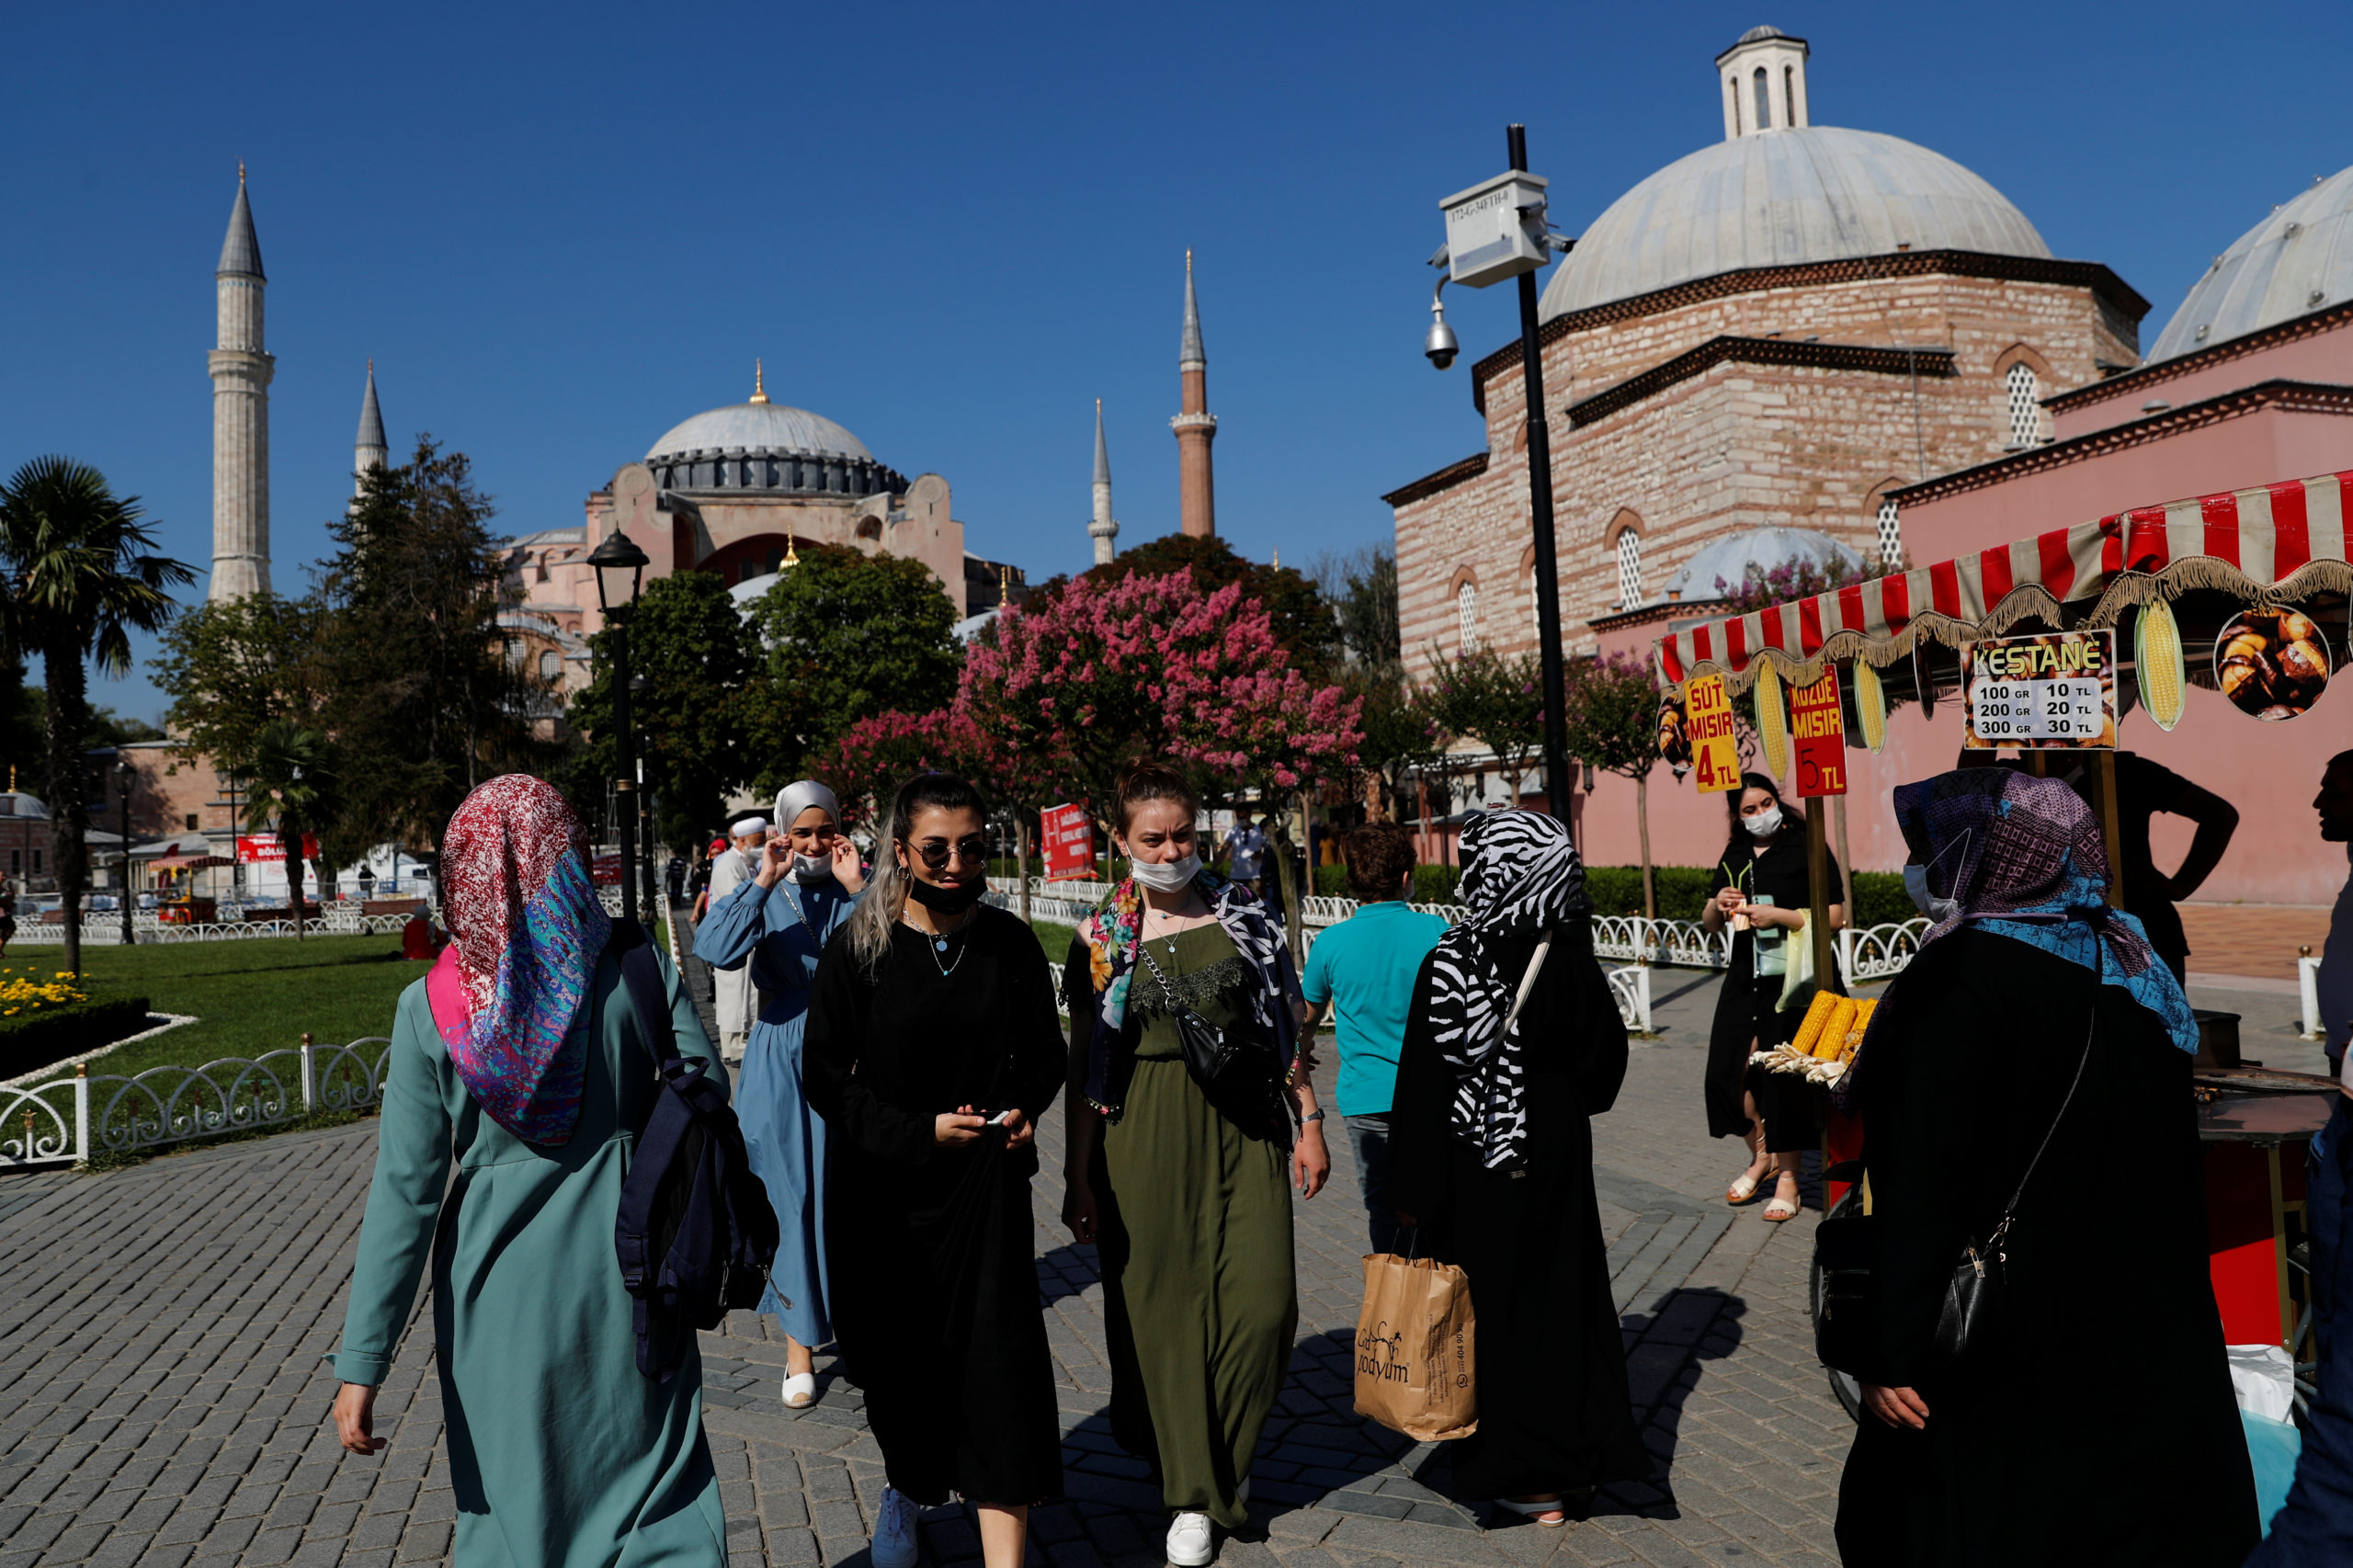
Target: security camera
x=1441, y=344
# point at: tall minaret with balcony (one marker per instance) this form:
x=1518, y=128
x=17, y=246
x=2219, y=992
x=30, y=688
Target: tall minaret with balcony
x=241, y=371
x=369, y=451
x=1105, y=529
x=1195, y=428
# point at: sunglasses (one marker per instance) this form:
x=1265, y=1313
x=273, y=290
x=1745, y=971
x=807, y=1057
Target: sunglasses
x=972, y=851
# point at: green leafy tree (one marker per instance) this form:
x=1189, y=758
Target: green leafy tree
x=1495, y=700
x=694, y=717
x=291, y=794
x=82, y=574
x=232, y=667
x=1403, y=730
x=1612, y=714
x=849, y=637
x=1362, y=588
x=24, y=723
x=419, y=693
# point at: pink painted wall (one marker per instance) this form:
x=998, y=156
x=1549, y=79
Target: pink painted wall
x=2323, y=356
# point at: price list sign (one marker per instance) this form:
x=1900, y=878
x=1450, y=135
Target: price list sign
x=1715, y=754
x=1068, y=832
x=1819, y=731
x=2056, y=690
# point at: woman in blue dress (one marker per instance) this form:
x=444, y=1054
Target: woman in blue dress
x=778, y=923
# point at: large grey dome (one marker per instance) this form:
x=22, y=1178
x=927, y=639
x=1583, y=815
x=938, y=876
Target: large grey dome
x=1730, y=557
x=1778, y=198
x=760, y=426
x=2297, y=261
x=767, y=446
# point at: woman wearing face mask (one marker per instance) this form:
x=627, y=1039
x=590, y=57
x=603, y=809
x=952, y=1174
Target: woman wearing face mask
x=933, y=1049
x=1764, y=894
x=773, y=930
x=1190, y=1207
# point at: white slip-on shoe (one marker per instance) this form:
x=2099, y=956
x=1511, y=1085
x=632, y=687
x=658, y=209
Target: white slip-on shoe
x=1190, y=1543
x=801, y=1390
x=894, y=1532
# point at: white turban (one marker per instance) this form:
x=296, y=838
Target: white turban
x=798, y=796
x=744, y=827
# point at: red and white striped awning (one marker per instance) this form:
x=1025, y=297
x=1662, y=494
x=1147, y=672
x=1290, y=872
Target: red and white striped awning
x=2262, y=538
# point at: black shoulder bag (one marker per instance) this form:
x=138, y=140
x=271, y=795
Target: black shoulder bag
x=1845, y=1325
x=1238, y=1070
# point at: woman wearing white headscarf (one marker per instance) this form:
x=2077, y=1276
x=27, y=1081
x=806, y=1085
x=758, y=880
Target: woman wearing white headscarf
x=1491, y=1157
x=773, y=928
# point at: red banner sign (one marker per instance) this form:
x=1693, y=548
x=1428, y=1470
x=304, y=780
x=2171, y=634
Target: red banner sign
x=267, y=850
x=1070, y=841
x=1819, y=731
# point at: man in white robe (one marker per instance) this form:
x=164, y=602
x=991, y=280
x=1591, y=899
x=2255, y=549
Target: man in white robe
x=735, y=998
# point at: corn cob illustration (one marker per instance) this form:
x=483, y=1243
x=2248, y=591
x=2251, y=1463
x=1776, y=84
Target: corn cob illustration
x=1772, y=723
x=2157, y=664
x=1871, y=706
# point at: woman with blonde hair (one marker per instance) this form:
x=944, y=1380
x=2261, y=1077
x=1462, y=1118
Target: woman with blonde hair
x=1187, y=1194
x=932, y=1050
x=521, y=1060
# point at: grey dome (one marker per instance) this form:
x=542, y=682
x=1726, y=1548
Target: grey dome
x=1731, y=556
x=2293, y=263
x=1778, y=198
x=764, y=446
x=760, y=426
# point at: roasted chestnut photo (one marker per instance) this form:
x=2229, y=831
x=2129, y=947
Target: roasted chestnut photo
x=2273, y=664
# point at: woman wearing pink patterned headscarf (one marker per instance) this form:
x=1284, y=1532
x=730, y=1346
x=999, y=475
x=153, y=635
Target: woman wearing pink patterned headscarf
x=519, y=1059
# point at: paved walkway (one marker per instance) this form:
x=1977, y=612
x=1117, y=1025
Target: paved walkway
x=164, y=1397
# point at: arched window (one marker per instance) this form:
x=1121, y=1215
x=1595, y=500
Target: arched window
x=1789, y=95
x=550, y=664
x=1764, y=100
x=1630, y=568
x=2026, y=410
x=1466, y=614
x=1535, y=608
x=1731, y=85
x=1890, y=538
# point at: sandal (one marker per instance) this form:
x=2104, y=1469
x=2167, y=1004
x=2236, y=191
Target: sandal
x=1780, y=1208
x=1536, y=1511
x=801, y=1390
x=1743, y=1186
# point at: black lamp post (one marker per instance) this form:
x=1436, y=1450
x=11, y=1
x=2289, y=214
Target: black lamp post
x=621, y=572
x=127, y=775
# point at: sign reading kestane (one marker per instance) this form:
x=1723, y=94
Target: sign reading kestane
x=2056, y=689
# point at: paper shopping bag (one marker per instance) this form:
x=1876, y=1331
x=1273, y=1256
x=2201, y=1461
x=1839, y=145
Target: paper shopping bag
x=1414, y=1361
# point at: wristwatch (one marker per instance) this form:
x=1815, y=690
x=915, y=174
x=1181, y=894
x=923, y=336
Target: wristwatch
x=1313, y=1116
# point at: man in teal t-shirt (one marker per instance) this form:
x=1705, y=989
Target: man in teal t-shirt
x=1367, y=965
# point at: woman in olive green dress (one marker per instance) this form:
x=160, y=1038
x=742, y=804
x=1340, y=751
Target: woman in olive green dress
x=520, y=1060
x=1191, y=1207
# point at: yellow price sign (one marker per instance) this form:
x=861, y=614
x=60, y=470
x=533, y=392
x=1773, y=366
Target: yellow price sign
x=1715, y=754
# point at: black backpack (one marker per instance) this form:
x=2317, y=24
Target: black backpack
x=696, y=1234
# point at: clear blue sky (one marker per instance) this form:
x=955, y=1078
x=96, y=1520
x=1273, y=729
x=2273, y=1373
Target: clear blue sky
x=561, y=229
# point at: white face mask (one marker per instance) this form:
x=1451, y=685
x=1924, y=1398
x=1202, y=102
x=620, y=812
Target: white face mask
x=812, y=867
x=1167, y=876
x=1916, y=883
x=1765, y=823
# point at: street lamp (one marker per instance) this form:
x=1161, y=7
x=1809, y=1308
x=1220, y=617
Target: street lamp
x=127, y=776
x=1494, y=231
x=620, y=571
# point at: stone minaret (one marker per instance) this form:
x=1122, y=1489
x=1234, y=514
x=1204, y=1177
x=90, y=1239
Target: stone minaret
x=1103, y=528
x=241, y=372
x=368, y=450
x=1196, y=426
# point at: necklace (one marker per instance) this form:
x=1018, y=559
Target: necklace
x=939, y=946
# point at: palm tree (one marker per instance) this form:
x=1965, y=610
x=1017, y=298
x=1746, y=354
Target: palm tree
x=289, y=794
x=77, y=575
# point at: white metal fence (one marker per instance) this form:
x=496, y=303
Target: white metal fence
x=65, y=1120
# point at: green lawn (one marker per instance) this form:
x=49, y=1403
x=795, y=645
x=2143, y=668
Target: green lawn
x=249, y=996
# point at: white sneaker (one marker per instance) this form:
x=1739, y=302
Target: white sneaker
x=894, y=1532
x=1189, y=1542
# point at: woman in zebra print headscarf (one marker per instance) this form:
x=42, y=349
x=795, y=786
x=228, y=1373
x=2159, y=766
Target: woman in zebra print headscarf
x=1492, y=1158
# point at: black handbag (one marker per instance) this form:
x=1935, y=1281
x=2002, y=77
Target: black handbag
x=1846, y=1258
x=1237, y=1068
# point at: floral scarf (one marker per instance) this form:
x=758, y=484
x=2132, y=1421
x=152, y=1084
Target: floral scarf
x=1111, y=934
x=527, y=932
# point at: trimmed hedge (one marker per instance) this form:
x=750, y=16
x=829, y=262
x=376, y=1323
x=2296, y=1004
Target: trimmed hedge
x=31, y=1040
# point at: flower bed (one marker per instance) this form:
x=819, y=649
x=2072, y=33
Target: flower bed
x=47, y=1018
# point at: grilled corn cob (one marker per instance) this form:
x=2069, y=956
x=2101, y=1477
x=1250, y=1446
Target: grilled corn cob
x=1871, y=706
x=1833, y=1039
x=1810, y=1028
x=1772, y=725
x=2157, y=664
x=1854, y=1041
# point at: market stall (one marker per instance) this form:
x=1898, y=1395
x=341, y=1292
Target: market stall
x=2047, y=645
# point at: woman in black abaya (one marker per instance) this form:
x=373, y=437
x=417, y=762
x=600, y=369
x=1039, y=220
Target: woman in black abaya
x=1491, y=1157
x=933, y=1045
x=2095, y=1423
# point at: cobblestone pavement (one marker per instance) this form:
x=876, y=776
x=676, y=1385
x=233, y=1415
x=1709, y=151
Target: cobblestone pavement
x=163, y=1395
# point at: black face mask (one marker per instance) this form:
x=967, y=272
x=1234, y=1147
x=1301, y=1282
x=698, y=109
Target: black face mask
x=952, y=900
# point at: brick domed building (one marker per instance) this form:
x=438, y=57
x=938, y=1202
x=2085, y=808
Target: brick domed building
x=1771, y=333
